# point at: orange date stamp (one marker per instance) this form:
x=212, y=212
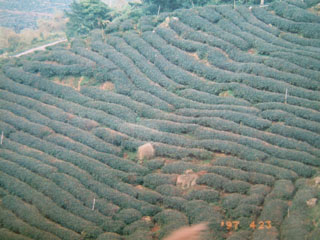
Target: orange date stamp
x=233, y=225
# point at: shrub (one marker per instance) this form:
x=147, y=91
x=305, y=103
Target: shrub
x=283, y=189
x=298, y=134
x=21, y=124
x=231, y=201
x=240, y=235
x=169, y=190
x=179, y=167
x=156, y=179
x=207, y=195
x=149, y=196
x=295, y=226
x=128, y=215
x=175, y=203
x=213, y=180
x=259, y=189
x=253, y=199
x=140, y=235
x=140, y=225
x=245, y=210
x=167, y=217
x=265, y=233
x=274, y=211
x=109, y=236
x=154, y=164
x=9, y=235
x=236, y=186
x=251, y=166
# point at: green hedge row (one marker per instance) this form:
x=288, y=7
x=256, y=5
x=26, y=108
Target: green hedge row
x=308, y=30
x=97, y=169
x=70, y=107
x=299, y=168
x=298, y=134
x=237, y=174
x=168, y=126
x=146, y=23
x=208, y=195
x=64, y=199
x=102, y=190
x=274, y=211
x=142, y=63
x=139, y=79
x=200, y=211
x=32, y=216
x=10, y=221
x=277, y=140
x=45, y=205
x=283, y=189
x=179, y=167
x=175, y=203
x=117, y=110
x=190, y=18
x=45, y=85
x=137, y=226
x=169, y=190
x=79, y=191
x=259, y=147
x=20, y=123
x=251, y=166
x=50, y=70
x=43, y=113
x=64, y=57
x=240, y=56
x=6, y=129
x=302, y=61
x=294, y=13
x=152, y=100
x=245, y=12
x=297, y=111
x=306, y=42
x=10, y=235
x=291, y=120
x=245, y=210
x=165, y=150
x=221, y=183
x=259, y=189
x=154, y=180
x=237, y=117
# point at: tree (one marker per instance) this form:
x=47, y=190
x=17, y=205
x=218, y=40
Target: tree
x=170, y=5
x=86, y=15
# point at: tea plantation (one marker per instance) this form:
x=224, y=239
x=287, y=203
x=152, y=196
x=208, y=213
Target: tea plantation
x=233, y=94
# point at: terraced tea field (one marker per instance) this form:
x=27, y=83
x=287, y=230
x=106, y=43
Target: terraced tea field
x=232, y=94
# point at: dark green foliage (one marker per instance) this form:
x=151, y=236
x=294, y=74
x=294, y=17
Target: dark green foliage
x=245, y=210
x=176, y=203
x=128, y=215
x=11, y=222
x=179, y=167
x=170, y=216
x=109, y=236
x=156, y=179
x=20, y=123
x=294, y=13
x=137, y=226
x=213, y=180
x=154, y=164
x=110, y=225
x=168, y=6
x=259, y=189
x=169, y=190
x=149, y=196
x=231, y=201
x=207, y=195
x=283, y=189
x=85, y=16
x=9, y=235
x=240, y=235
x=140, y=235
x=296, y=226
x=236, y=186
x=270, y=234
x=200, y=211
x=251, y=166
x=253, y=199
x=274, y=211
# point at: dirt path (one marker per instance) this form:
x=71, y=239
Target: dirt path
x=40, y=48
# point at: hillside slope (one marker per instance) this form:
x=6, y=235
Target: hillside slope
x=232, y=94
